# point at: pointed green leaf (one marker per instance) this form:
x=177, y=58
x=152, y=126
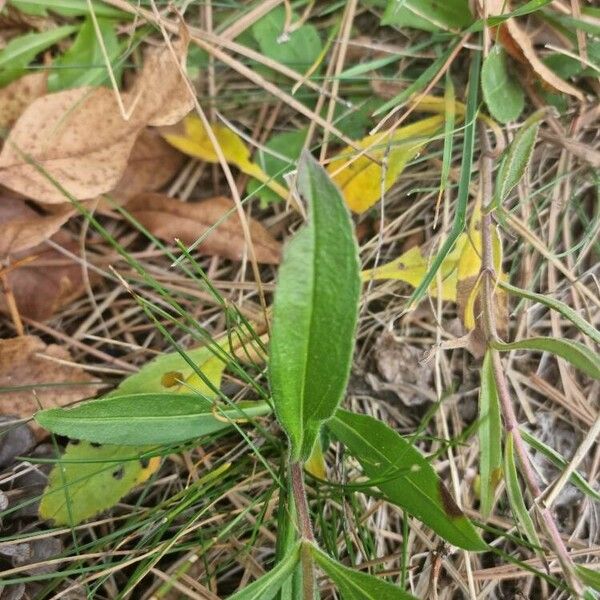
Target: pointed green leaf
x=516, y=158
x=268, y=585
x=564, y=309
x=490, y=437
x=83, y=63
x=315, y=313
x=503, y=95
x=90, y=478
x=355, y=585
x=428, y=15
x=146, y=418
x=577, y=354
x=408, y=480
x=20, y=51
x=515, y=496
x=589, y=577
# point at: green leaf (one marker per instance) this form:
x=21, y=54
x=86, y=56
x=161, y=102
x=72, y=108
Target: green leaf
x=588, y=576
x=268, y=585
x=355, y=585
x=158, y=374
x=517, y=158
x=561, y=463
x=577, y=354
x=90, y=478
x=298, y=50
x=68, y=8
x=490, y=437
x=515, y=497
x=19, y=52
x=428, y=15
x=146, y=418
x=383, y=454
x=279, y=158
x=83, y=64
x=565, y=310
x=503, y=95
x=315, y=313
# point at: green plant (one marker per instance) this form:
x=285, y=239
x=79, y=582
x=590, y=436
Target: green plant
x=312, y=340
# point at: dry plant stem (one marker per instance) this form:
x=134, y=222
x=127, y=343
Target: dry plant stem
x=305, y=527
x=508, y=413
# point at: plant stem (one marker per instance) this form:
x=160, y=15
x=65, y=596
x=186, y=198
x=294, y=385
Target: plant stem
x=299, y=491
x=508, y=412
x=305, y=527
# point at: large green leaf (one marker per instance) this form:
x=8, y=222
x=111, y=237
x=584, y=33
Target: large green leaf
x=490, y=437
x=83, y=63
x=577, y=354
x=146, y=418
x=20, y=51
x=90, y=478
x=405, y=477
x=503, y=95
x=315, y=313
x=268, y=585
x=355, y=585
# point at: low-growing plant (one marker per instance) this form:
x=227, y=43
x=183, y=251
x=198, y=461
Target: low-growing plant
x=314, y=320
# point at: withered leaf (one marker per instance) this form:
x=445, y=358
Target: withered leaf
x=40, y=377
x=80, y=138
x=41, y=279
x=168, y=218
x=18, y=95
x=152, y=163
x=518, y=43
x=23, y=228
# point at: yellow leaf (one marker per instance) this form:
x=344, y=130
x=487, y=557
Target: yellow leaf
x=411, y=267
x=360, y=180
x=191, y=137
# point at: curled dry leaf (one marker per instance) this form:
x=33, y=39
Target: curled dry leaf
x=519, y=45
x=18, y=95
x=23, y=228
x=214, y=220
x=41, y=377
x=41, y=279
x=80, y=138
x=152, y=163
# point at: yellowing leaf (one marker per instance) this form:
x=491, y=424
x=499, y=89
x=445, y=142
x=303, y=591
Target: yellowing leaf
x=90, y=478
x=412, y=266
x=191, y=137
x=360, y=179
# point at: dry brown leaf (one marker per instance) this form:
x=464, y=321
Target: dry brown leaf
x=41, y=279
x=29, y=365
x=18, y=95
x=22, y=228
x=168, y=218
x=519, y=45
x=152, y=163
x=80, y=138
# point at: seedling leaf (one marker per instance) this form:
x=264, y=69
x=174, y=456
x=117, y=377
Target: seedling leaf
x=315, y=313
